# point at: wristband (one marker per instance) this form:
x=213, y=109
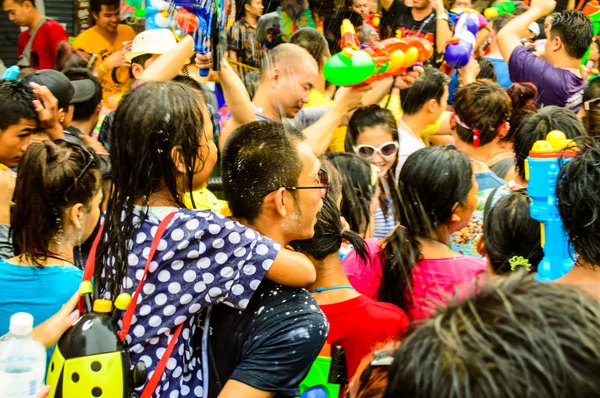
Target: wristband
x=442, y=16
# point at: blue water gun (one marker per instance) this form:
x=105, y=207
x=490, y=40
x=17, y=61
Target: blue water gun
x=541, y=170
x=11, y=73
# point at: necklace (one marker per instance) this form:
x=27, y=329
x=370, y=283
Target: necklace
x=326, y=289
x=483, y=164
x=54, y=256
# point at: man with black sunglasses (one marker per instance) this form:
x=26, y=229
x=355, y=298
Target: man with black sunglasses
x=274, y=184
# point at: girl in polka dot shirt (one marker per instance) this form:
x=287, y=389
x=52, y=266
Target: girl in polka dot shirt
x=161, y=149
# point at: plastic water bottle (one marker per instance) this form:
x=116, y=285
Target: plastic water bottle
x=22, y=359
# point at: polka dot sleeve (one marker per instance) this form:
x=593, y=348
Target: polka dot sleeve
x=202, y=259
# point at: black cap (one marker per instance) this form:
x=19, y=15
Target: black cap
x=66, y=91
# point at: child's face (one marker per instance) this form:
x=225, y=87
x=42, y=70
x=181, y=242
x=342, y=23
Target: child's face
x=361, y=7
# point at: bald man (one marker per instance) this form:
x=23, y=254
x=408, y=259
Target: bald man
x=287, y=75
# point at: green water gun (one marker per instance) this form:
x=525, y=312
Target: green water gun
x=327, y=375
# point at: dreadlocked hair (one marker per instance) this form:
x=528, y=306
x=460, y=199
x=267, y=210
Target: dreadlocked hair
x=153, y=123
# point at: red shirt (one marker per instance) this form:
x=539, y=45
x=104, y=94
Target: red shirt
x=45, y=43
x=359, y=324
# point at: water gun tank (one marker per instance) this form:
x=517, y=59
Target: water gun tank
x=328, y=374
x=90, y=360
x=541, y=170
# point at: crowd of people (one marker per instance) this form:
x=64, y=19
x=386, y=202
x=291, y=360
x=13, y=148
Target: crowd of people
x=390, y=219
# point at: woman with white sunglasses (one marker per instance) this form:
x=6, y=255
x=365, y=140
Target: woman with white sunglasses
x=373, y=135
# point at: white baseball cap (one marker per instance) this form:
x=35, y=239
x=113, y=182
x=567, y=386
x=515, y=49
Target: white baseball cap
x=153, y=41
x=535, y=28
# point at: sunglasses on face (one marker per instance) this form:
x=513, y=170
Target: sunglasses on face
x=386, y=150
x=322, y=180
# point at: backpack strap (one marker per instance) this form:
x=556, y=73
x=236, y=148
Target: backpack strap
x=90, y=264
x=160, y=368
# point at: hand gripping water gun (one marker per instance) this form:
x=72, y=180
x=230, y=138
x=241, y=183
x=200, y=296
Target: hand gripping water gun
x=357, y=64
x=455, y=14
x=504, y=7
x=541, y=170
x=462, y=45
x=202, y=19
x=327, y=375
x=90, y=359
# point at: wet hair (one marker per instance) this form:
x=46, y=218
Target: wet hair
x=374, y=116
x=96, y=5
x=537, y=126
x=329, y=232
x=426, y=199
x=430, y=85
x=473, y=104
x=509, y=231
x=515, y=338
x=578, y=200
x=190, y=82
x=52, y=177
x=486, y=70
x=67, y=57
x=85, y=110
x=259, y=158
x=500, y=21
x=16, y=103
x=312, y=41
x=591, y=119
x=522, y=100
x=150, y=123
x=357, y=189
x=335, y=179
x=575, y=31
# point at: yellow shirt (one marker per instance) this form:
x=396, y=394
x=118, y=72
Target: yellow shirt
x=316, y=98
x=92, y=41
x=394, y=106
x=206, y=200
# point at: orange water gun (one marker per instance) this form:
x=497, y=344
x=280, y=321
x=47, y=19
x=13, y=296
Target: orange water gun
x=358, y=65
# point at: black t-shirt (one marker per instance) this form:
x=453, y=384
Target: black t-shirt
x=271, y=345
x=399, y=17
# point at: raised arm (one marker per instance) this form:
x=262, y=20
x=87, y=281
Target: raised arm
x=168, y=65
x=442, y=25
x=320, y=133
x=510, y=36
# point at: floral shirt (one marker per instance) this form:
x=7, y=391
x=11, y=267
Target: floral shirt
x=241, y=40
x=203, y=259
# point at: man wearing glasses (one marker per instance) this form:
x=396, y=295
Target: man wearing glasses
x=274, y=184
